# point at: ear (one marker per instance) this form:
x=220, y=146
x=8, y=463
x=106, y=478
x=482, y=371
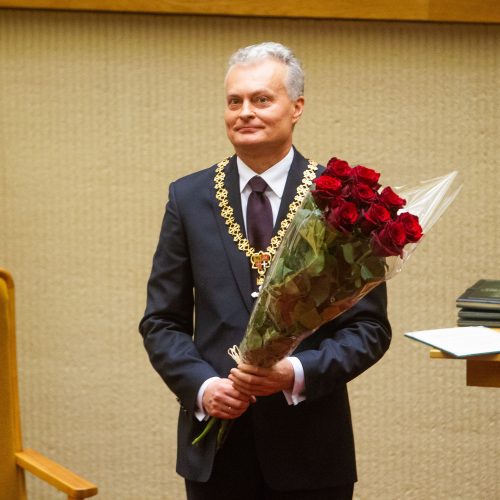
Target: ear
x=298, y=108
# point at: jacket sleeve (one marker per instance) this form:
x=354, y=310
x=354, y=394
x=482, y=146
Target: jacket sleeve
x=345, y=347
x=167, y=325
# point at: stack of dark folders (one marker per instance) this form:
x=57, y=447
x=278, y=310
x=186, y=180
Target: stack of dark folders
x=480, y=304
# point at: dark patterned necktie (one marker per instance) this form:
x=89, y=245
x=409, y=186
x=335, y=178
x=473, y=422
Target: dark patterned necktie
x=259, y=215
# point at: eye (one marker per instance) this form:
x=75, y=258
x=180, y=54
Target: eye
x=262, y=99
x=233, y=101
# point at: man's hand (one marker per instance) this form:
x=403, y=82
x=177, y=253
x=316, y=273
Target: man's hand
x=222, y=400
x=255, y=381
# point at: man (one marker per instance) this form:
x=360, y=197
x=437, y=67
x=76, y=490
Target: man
x=291, y=436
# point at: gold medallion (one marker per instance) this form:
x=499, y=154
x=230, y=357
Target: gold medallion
x=260, y=261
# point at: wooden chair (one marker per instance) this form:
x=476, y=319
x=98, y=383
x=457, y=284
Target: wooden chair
x=14, y=460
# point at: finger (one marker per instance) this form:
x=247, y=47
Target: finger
x=228, y=403
x=227, y=390
x=240, y=395
x=234, y=411
x=242, y=387
x=248, y=393
x=238, y=404
x=254, y=370
x=257, y=391
x=246, y=378
x=240, y=392
x=225, y=413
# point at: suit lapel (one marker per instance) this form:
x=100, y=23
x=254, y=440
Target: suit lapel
x=232, y=183
x=299, y=164
x=238, y=261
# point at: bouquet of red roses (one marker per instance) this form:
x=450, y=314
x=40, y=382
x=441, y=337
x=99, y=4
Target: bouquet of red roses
x=347, y=237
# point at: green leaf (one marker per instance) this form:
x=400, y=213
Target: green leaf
x=306, y=314
x=366, y=274
x=320, y=289
x=331, y=236
x=294, y=262
x=312, y=231
x=259, y=315
x=279, y=269
x=316, y=265
x=251, y=341
x=348, y=252
x=376, y=266
x=290, y=287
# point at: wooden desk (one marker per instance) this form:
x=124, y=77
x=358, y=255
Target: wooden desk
x=482, y=371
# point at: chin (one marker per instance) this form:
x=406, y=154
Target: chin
x=249, y=140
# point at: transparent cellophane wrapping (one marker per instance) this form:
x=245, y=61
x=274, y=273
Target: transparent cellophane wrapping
x=319, y=272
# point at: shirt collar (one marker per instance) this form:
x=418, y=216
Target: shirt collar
x=275, y=176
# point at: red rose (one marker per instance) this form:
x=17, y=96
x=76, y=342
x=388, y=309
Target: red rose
x=390, y=240
x=366, y=176
x=363, y=193
x=376, y=216
x=412, y=226
x=346, y=191
x=326, y=188
x=328, y=184
x=343, y=215
x=391, y=200
x=338, y=168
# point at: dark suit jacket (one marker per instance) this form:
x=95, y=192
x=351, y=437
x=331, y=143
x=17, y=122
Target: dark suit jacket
x=197, y=266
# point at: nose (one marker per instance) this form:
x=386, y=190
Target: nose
x=246, y=110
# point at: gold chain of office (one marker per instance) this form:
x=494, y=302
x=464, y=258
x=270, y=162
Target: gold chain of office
x=259, y=260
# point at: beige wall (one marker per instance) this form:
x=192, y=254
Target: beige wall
x=98, y=112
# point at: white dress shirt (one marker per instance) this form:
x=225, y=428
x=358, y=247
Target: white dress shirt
x=275, y=178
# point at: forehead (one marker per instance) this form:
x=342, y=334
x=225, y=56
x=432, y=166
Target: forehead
x=250, y=77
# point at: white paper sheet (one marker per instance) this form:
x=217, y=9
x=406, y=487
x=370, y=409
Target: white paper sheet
x=463, y=341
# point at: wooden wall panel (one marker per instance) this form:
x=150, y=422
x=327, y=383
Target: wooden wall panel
x=469, y=11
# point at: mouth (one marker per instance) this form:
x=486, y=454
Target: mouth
x=247, y=129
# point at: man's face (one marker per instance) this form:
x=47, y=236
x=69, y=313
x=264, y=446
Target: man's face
x=259, y=113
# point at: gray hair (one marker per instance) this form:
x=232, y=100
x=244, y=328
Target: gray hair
x=255, y=53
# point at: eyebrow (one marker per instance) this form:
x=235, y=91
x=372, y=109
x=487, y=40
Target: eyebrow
x=256, y=92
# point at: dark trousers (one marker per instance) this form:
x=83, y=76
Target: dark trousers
x=237, y=476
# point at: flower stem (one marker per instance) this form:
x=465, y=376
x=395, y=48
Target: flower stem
x=366, y=254
x=211, y=422
x=225, y=425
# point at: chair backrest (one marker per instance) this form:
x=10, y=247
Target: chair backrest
x=12, y=485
